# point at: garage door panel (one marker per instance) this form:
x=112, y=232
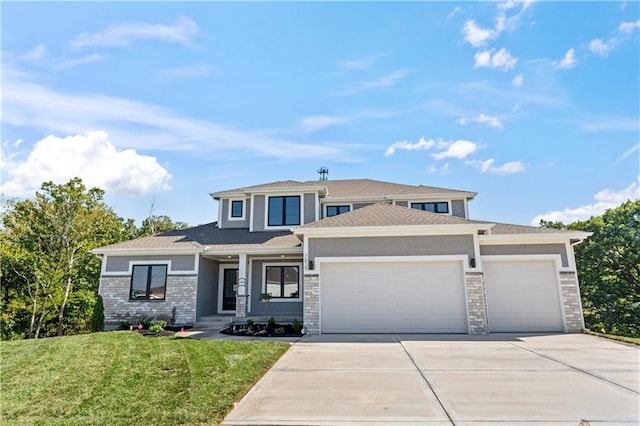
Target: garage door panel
x=408, y=297
x=522, y=296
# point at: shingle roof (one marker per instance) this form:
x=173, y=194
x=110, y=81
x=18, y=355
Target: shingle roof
x=381, y=214
x=209, y=236
x=350, y=188
x=509, y=229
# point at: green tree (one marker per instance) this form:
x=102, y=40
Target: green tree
x=97, y=317
x=609, y=266
x=47, y=266
x=153, y=225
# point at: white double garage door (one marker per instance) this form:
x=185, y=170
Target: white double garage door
x=430, y=297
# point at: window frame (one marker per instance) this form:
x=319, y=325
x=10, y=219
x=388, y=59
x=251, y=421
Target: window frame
x=284, y=223
x=423, y=205
x=265, y=269
x=336, y=206
x=244, y=209
x=150, y=267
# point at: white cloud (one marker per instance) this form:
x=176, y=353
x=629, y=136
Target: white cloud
x=138, y=124
x=359, y=64
x=408, y=146
x=567, y=61
x=619, y=124
x=490, y=121
x=599, y=47
x=456, y=10
x=487, y=166
x=628, y=153
x=492, y=59
x=124, y=34
x=459, y=149
x=35, y=54
x=628, y=27
x=314, y=123
x=518, y=80
x=605, y=199
x=189, y=72
x=387, y=80
x=476, y=35
x=90, y=156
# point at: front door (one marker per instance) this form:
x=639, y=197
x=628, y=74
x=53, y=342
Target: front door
x=229, y=287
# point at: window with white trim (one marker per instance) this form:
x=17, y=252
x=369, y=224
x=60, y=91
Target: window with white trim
x=433, y=207
x=284, y=210
x=282, y=281
x=148, y=282
x=237, y=209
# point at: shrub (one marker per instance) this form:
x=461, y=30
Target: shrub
x=271, y=322
x=279, y=331
x=97, y=317
x=158, y=326
x=145, y=322
x=296, y=325
x=124, y=325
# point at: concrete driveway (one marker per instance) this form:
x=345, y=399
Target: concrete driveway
x=508, y=379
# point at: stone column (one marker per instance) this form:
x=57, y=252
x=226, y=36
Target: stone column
x=571, y=304
x=243, y=287
x=476, y=303
x=311, y=302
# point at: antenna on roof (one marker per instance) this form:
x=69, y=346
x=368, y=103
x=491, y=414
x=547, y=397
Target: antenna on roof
x=323, y=172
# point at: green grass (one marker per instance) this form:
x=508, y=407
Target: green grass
x=632, y=340
x=123, y=378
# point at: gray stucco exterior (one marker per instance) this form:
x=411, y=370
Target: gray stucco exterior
x=520, y=249
x=224, y=215
x=178, y=262
x=208, y=274
x=391, y=246
x=259, y=209
x=457, y=208
x=309, y=208
x=279, y=307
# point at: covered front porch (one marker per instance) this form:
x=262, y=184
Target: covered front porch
x=231, y=285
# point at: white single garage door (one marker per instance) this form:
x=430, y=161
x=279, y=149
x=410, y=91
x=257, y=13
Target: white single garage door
x=522, y=296
x=392, y=297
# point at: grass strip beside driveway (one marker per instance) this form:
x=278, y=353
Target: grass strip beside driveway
x=125, y=378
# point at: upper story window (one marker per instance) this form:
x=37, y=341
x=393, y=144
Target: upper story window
x=438, y=207
x=148, y=282
x=284, y=211
x=336, y=210
x=237, y=208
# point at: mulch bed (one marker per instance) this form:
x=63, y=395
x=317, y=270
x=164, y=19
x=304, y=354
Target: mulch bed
x=260, y=330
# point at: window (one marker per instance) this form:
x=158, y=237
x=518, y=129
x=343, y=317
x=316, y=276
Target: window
x=283, y=282
x=237, y=208
x=148, y=282
x=439, y=207
x=336, y=210
x=284, y=211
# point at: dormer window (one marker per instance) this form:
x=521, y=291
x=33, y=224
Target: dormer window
x=336, y=210
x=284, y=211
x=433, y=207
x=236, y=209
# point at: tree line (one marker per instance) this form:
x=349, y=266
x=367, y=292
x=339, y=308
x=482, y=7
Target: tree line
x=48, y=276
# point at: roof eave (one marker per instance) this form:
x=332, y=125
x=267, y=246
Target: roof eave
x=439, y=195
x=539, y=238
x=394, y=230
x=146, y=251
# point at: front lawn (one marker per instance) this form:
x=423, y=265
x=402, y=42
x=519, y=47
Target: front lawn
x=125, y=378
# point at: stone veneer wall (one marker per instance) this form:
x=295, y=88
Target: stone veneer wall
x=181, y=293
x=476, y=303
x=311, y=314
x=571, y=301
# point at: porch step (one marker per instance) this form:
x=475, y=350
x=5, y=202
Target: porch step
x=214, y=321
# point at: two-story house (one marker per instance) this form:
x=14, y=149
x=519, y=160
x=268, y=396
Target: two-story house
x=350, y=256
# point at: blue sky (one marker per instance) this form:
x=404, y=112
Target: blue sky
x=534, y=105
